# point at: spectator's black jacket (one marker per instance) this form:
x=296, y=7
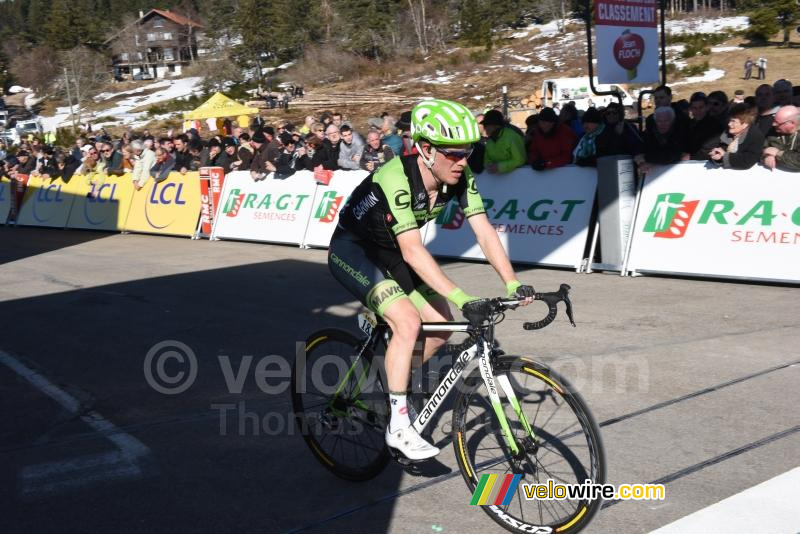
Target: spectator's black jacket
x=751, y=146
x=703, y=136
x=664, y=149
x=327, y=156
x=183, y=160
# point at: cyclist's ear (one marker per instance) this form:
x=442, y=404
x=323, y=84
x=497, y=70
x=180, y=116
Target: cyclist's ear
x=426, y=147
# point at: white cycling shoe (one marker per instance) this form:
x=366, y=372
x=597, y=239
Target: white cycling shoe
x=410, y=443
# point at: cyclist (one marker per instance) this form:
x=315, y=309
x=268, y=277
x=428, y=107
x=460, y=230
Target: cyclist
x=377, y=252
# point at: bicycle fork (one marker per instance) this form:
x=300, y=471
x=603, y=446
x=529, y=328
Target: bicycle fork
x=491, y=381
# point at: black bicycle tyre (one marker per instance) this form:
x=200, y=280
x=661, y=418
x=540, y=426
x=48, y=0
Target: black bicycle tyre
x=315, y=344
x=585, y=510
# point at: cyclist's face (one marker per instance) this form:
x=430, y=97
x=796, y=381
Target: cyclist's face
x=450, y=162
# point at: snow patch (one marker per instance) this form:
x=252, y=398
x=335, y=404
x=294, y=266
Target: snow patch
x=710, y=75
x=169, y=90
x=530, y=68
x=551, y=29
x=716, y=49
x=711, y=25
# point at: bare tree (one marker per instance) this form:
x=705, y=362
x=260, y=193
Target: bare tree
x=555, y=10
x=416, y=10
x=86, y=72
x=36, y=68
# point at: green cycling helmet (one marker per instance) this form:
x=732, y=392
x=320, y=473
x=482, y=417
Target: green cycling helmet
x=443, y=122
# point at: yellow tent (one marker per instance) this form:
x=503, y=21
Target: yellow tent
x=219, y=105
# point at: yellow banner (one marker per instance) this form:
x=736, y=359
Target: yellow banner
x=5, y=199
x=171, y=207
x=48, y=201
x=102, y=202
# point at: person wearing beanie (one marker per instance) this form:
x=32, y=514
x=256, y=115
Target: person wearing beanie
x=260, y=167
x=505, y=145
x=586, y=151
x=227, y=156
x=552, y=143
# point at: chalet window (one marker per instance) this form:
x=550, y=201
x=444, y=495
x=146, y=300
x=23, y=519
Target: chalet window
x=158, y=22
x=168, y=54
x=152, y=37
x=124, y=56
x=136, y=38
x=167, y=36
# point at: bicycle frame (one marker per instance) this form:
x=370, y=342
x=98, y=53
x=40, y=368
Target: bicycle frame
x=482, y=349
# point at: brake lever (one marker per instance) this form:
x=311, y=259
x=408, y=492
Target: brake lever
x=565, y=289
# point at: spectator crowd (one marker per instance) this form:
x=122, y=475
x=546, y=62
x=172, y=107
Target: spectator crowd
x=733, y=133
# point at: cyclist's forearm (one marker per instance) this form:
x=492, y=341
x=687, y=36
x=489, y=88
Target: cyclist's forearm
x=421, y=261
x=493, y=249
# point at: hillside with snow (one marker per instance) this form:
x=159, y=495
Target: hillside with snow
x=521, y=59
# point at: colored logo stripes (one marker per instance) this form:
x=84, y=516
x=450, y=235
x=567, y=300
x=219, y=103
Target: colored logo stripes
x=495, y=489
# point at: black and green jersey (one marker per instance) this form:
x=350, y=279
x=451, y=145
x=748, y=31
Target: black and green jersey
x=393, y=200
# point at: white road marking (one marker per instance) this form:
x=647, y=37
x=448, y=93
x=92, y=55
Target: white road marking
x=768, y=507
x=128, y=462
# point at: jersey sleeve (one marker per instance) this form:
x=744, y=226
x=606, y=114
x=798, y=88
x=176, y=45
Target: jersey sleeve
x=469, y=199
x=394, y=185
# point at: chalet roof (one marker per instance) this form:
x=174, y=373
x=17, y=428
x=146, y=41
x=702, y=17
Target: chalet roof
x=166, y=13
x=174, y=17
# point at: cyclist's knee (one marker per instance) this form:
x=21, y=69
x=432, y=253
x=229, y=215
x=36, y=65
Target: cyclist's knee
x=404, y=320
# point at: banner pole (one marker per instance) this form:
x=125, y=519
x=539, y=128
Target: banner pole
x=308, y=220
x=631, y=234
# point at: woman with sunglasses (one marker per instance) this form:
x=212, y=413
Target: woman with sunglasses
x=377, y=251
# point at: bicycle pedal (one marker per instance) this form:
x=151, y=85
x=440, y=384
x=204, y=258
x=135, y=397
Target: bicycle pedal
x=404, y=460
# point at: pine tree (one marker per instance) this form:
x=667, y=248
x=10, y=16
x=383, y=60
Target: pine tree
x=38, y=11
x=768, y=17
x=477, y=21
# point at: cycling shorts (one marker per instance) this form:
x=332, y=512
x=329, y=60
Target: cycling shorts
x=376, y=276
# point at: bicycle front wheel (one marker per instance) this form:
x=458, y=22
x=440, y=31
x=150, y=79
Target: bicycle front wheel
x=557, y=439
x=340, y=406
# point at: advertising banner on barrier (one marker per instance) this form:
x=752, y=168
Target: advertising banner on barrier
x=211, y=182
x=48, y=202
x=627, y=41
x=102, y=204
x=5, y=199
x=274, y=211
x=541, y=217
x=18, y=185
x=328, y=200
x=719, y=222
x=170, y=207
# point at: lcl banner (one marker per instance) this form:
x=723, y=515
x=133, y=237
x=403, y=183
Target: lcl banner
x=627, y=41
x=5, y=199
x=47, y=202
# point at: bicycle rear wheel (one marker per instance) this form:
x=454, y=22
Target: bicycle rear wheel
x=340, y=406
x=566, y=447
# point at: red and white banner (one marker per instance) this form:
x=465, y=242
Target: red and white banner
x=719, y=222
x=211, y=183
x=19, y=184
x=627, y=41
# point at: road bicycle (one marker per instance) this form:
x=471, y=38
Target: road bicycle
x=511, y=415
